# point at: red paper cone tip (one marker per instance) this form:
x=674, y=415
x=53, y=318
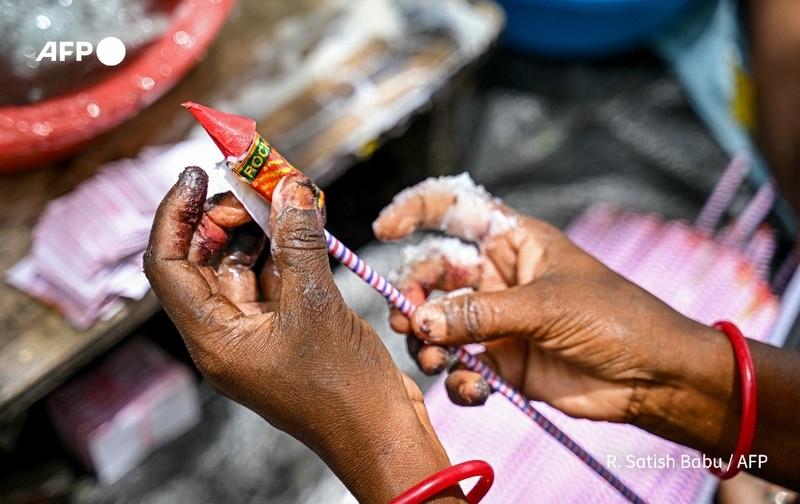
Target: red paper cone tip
x=233, y=134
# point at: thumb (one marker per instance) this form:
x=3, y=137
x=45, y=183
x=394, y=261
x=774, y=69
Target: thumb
x=298, y=241
x=477, y=316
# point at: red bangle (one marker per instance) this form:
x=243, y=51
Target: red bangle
x=748, y=379
x=446, y=478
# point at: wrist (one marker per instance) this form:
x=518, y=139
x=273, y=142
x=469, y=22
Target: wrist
x=697, y=400
x=391, y=453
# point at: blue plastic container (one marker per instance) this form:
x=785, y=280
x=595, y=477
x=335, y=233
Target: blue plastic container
x=588, y=28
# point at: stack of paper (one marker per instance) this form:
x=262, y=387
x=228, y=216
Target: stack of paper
x=88, y=245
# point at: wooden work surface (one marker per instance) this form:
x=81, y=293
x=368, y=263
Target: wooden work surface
x=318, y=121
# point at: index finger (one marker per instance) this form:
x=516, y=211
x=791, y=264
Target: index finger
x=178, y=284
x=176, y=218
x=455, y=205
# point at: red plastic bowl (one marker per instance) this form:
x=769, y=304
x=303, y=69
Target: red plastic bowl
x=52, y=129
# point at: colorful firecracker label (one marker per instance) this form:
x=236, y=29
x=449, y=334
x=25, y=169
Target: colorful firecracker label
x=263, y=167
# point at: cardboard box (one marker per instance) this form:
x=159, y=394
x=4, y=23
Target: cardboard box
x=135, y=401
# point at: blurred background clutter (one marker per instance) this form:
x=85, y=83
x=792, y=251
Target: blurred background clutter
x=597, y=116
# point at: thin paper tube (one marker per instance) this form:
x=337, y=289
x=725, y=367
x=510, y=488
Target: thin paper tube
x=723, y=193
x=350, y=260
x=755, y=212
x=759, y=251
x=785, y=272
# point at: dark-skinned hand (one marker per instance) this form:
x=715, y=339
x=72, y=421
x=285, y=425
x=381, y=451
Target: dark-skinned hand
x=283, y=343
x=562, y=328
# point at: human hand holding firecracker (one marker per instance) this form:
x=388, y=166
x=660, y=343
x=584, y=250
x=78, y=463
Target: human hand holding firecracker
x=283, y=342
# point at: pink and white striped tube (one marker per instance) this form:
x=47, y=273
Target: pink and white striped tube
x=350, y=260
x=723, y=193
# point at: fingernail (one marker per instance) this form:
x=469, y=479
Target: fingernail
x=431, y=321
x=435, y=370
x=443, y=363
x=474, y=393
x=482, y=390
x=192, y=184
x=297, y=191
x=192, y=176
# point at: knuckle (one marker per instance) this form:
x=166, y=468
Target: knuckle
x=295, y=225
x=473, y=316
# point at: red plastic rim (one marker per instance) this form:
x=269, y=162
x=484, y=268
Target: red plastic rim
x=51, y=129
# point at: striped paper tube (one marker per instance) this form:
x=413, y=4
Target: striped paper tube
x=350, y=260
x=760, y=249
x=785, y=271
x=722, y=194
x=755, y=211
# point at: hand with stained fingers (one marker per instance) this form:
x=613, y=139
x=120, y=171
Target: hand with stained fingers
x=283, y=342
x=555, y=322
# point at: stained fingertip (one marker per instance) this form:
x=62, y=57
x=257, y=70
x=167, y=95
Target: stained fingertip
x=481, y=390
x=433, y=359
x=297, y=191
x=429, y=322
x=467, y=388
x=193, y=176
x=191, y=191
x=176, y=217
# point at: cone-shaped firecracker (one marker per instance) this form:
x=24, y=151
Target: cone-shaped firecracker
x=248, y=155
